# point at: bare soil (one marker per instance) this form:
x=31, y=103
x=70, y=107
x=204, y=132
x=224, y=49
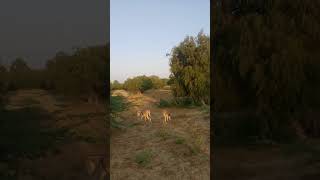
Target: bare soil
x=178, y=150
x=279, y=162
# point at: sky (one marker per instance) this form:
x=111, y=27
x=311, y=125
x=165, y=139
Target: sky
x=143, y=31
x=37, y=29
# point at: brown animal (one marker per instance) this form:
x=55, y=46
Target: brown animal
x=146, y=115
x=167, y=116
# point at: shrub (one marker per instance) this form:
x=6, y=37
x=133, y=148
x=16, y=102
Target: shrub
x=164, y=103
x=116, y=85
x=184, y=102
x=117, y=104
x=143, y=157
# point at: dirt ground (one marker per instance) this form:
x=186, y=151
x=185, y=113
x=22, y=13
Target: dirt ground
x=85, y=136
x=178, y=150
x=279, y=162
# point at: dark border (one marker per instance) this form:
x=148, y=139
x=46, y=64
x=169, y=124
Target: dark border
x=212, y=45
x=107, y=156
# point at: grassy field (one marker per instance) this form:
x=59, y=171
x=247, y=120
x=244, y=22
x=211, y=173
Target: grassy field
x=178, y=150
x=48, y=137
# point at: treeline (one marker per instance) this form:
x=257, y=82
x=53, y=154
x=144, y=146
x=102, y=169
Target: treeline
x=80, y=74
x=267, y=60
x=140, y=83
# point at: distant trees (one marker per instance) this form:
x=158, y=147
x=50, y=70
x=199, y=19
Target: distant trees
x=141, y=83
x=190, y=68
x=82, y=73
x=19, y=71
x=115, y=85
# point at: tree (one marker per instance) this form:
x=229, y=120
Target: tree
x=116, y=85
x=270, y=60
x=19, y=66
x=81, y=74
x=138, y=83
x=19, y=71
x=190, y=68
x=157, y=83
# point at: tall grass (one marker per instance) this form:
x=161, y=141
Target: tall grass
x=117, y=104
x=182, y=102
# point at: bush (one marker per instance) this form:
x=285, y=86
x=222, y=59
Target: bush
x=139, y=83
x=183, y=102
x=80, y=74
x=116, y=85
x=117, y=104
x=164, y=103
x=143, y=157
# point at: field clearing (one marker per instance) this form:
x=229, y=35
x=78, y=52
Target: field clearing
x=179, y=150
x=48, y=137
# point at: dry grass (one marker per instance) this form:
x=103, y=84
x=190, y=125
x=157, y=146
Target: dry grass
x=86, y=135
x=168, y=150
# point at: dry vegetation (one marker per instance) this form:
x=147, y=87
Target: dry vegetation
x=77, y=130
x=179, y=150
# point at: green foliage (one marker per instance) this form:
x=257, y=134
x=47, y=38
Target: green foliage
x=141, y=83
x=269, y=61
x=165, y=81
x=81, y=74
x=190, y=68
x=145, y=84
x=157, y=83
x=143, y=158
x=115, y=85
x=163, y=103
x=24, y=136
x=182, y=102
x=180, y=140
x=170, y=81
x=117, y=104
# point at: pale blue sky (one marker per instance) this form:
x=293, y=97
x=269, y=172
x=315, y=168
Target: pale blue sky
x=143, y=31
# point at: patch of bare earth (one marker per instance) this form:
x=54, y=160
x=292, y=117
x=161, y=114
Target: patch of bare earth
x=178, y=150
x=264, y=163
x=84, y=122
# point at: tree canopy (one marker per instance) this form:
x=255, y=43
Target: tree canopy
x=269, y=59
x=190, y=68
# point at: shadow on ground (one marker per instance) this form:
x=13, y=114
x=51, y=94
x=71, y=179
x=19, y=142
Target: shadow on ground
x=24, y=134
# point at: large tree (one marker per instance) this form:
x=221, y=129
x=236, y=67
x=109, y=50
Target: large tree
x=270, y=58
x=190, y=68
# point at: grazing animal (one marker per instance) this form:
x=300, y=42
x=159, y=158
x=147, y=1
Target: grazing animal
x=167, y=116
x=146, y=115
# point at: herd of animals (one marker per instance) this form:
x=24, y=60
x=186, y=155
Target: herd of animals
x=146, y=116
